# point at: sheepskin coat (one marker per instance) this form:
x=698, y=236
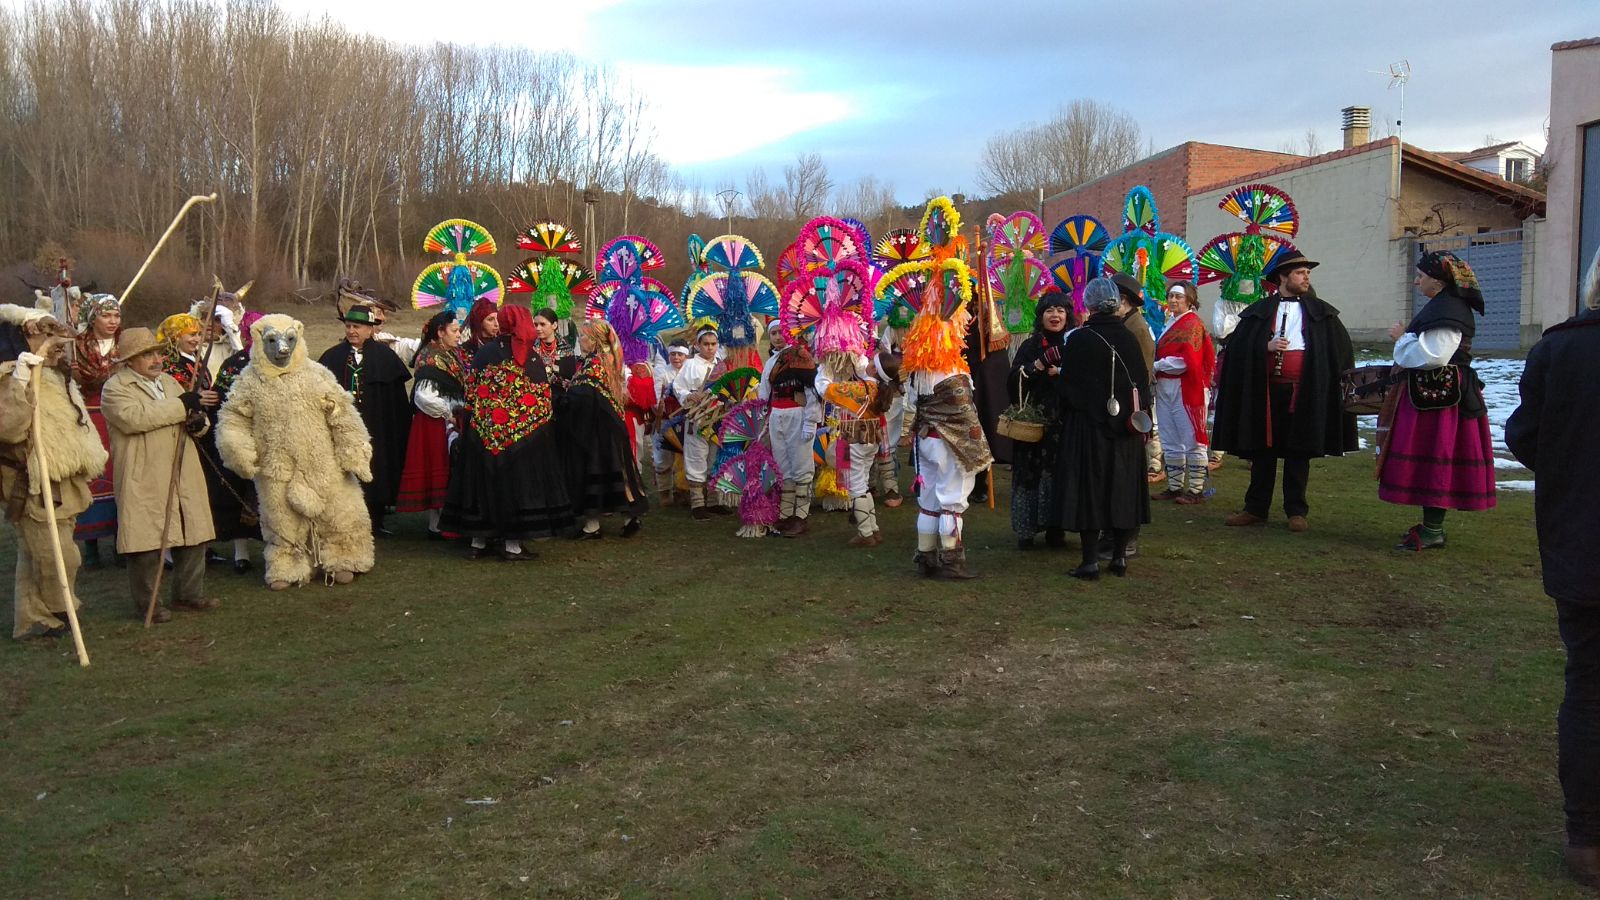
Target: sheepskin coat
x=297, y=434
x=145, y=433
x=72, y=445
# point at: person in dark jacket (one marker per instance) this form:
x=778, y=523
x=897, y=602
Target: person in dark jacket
x=1556, y=426
x=1099, y=471
x=1278, y=392
x=1033, y=379
x=376, y=377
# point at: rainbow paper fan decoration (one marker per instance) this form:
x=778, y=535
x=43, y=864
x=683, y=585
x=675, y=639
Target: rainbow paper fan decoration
x=1016, y=277
x=824, y=241
x=549, y=237
x=729, y=299
x=901, y=245
x=1155, y=261
x=458, y=236
x=627, y=258
x=457, y=285
x=1139, y=212
x=1262, y=207
x=941, y=223
x=638, y=313
x=913, y=284
x=1079, y=234
x=1240, y=262
x=755, y=477
x=733, y=253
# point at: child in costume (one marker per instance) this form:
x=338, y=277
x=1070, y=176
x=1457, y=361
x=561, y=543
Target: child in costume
x=662, y=454
x=794, y=410
x=690, y=387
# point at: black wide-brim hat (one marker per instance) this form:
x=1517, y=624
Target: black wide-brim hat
x=361, y=315
x=1295, y=260
x=1130, y=287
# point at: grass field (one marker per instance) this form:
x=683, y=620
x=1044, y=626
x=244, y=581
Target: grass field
x=1250, y=713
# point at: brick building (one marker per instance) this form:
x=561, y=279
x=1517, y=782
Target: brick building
x=1172, y=175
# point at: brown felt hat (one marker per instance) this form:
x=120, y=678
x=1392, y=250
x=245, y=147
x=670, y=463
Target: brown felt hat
x=135, y=342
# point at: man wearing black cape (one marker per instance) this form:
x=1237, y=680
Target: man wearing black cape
x=377, y=378
x=1278, y=392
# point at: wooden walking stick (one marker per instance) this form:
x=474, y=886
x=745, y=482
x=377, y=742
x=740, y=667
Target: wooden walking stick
x=182, y=211
x=55, y=535
x=166, y=527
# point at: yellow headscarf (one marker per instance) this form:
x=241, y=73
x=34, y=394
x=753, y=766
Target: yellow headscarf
x=175, y=326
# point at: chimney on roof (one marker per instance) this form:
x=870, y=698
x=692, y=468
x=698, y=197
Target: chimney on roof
x=1357, y=125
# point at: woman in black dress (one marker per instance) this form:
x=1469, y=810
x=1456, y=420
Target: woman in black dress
x=1100, y=463
x=506, y=480
x=1034, y=376
x=602, y=476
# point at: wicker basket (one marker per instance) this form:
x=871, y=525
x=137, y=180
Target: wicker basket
x=1026, y=432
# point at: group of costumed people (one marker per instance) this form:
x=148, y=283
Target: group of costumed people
x=218, y=426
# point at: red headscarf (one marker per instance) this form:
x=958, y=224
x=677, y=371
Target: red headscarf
x=481, y=310
x=516, y=322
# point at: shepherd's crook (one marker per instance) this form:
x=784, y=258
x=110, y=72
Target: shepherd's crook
x=50, y=512
x=182, y=211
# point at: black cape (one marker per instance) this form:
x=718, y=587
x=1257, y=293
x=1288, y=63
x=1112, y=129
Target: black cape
x=602, y=475
x=1320, y=426
x=989, y=372
x=1029, y=461
x=1100, y=462
x=379, y=386
x=233, y=499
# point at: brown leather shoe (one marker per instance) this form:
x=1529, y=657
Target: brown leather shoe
x=1298, y=524
x=201, y=605
x=867, y=540
x=1168, y=494
x=797, y=527
x=953, y=565
x=1244, y=518
x=700, y=514
x=162, y=614
x=1583, y=864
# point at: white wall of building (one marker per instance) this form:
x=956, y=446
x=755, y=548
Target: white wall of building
x=1347, y=224
x=1574, y=103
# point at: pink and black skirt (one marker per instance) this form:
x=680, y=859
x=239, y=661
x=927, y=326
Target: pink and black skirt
x=1437, y=457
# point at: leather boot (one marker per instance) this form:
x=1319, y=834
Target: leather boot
x=927, y=562
x=953, y=565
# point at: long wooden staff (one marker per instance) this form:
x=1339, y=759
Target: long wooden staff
x=50, y=512
x=182, y=211
x=172, y=482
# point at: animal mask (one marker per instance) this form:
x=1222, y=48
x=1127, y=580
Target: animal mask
x=277, y=346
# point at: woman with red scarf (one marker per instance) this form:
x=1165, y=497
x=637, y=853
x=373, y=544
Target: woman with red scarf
x=483, y=326
x=438, y=395
x=506, y=481
x=100, y=324
x=1185, y=361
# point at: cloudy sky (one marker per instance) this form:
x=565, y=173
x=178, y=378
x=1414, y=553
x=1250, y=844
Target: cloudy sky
x=909, y=92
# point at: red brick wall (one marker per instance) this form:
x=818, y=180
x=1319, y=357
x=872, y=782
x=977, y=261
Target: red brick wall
x=1170, y=175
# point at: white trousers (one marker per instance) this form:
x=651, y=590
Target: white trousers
x=792, y=437
x=945, y=486
x=859, y=477
x=697, y=458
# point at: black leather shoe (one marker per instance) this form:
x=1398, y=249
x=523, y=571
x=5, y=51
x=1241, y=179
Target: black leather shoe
x=435, y=535
x=1086, y=572
x=478, y=552
x=213, y=558
x=241, y=566
x=522, y=555
x=631, y=528
x=1119, y=568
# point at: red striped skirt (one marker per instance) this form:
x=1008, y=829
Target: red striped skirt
x=1437, y=457
x=427, y=471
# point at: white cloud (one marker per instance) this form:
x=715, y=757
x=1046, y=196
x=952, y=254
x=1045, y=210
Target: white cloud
x=707, y=113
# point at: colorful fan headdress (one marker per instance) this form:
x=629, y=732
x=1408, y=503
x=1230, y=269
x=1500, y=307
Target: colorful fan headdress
x=458, y=282
x=830, y=309
x=637, y=307
x=697, y=270
x=1081, y=241
x=1146, y=253
x=1015, y=273
x=1240, y=260
x=734, y=292
x=556, y=280
x=933, y=289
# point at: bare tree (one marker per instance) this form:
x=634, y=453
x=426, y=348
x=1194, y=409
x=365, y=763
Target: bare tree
x=1082, y=141
x=807, y=186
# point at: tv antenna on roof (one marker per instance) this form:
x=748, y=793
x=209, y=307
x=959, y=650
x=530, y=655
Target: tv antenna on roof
x=1399, y=73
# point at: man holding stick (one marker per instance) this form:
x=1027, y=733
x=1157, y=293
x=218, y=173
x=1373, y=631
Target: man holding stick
x=74, y=457
x=160, y=484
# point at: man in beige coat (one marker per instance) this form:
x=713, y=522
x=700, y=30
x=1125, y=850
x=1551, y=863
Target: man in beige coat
x=151, y=418
x=74, y=457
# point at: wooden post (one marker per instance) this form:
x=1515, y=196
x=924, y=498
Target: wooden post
x=55, y=537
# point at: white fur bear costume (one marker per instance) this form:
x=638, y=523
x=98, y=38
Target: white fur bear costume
x=288, y=425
